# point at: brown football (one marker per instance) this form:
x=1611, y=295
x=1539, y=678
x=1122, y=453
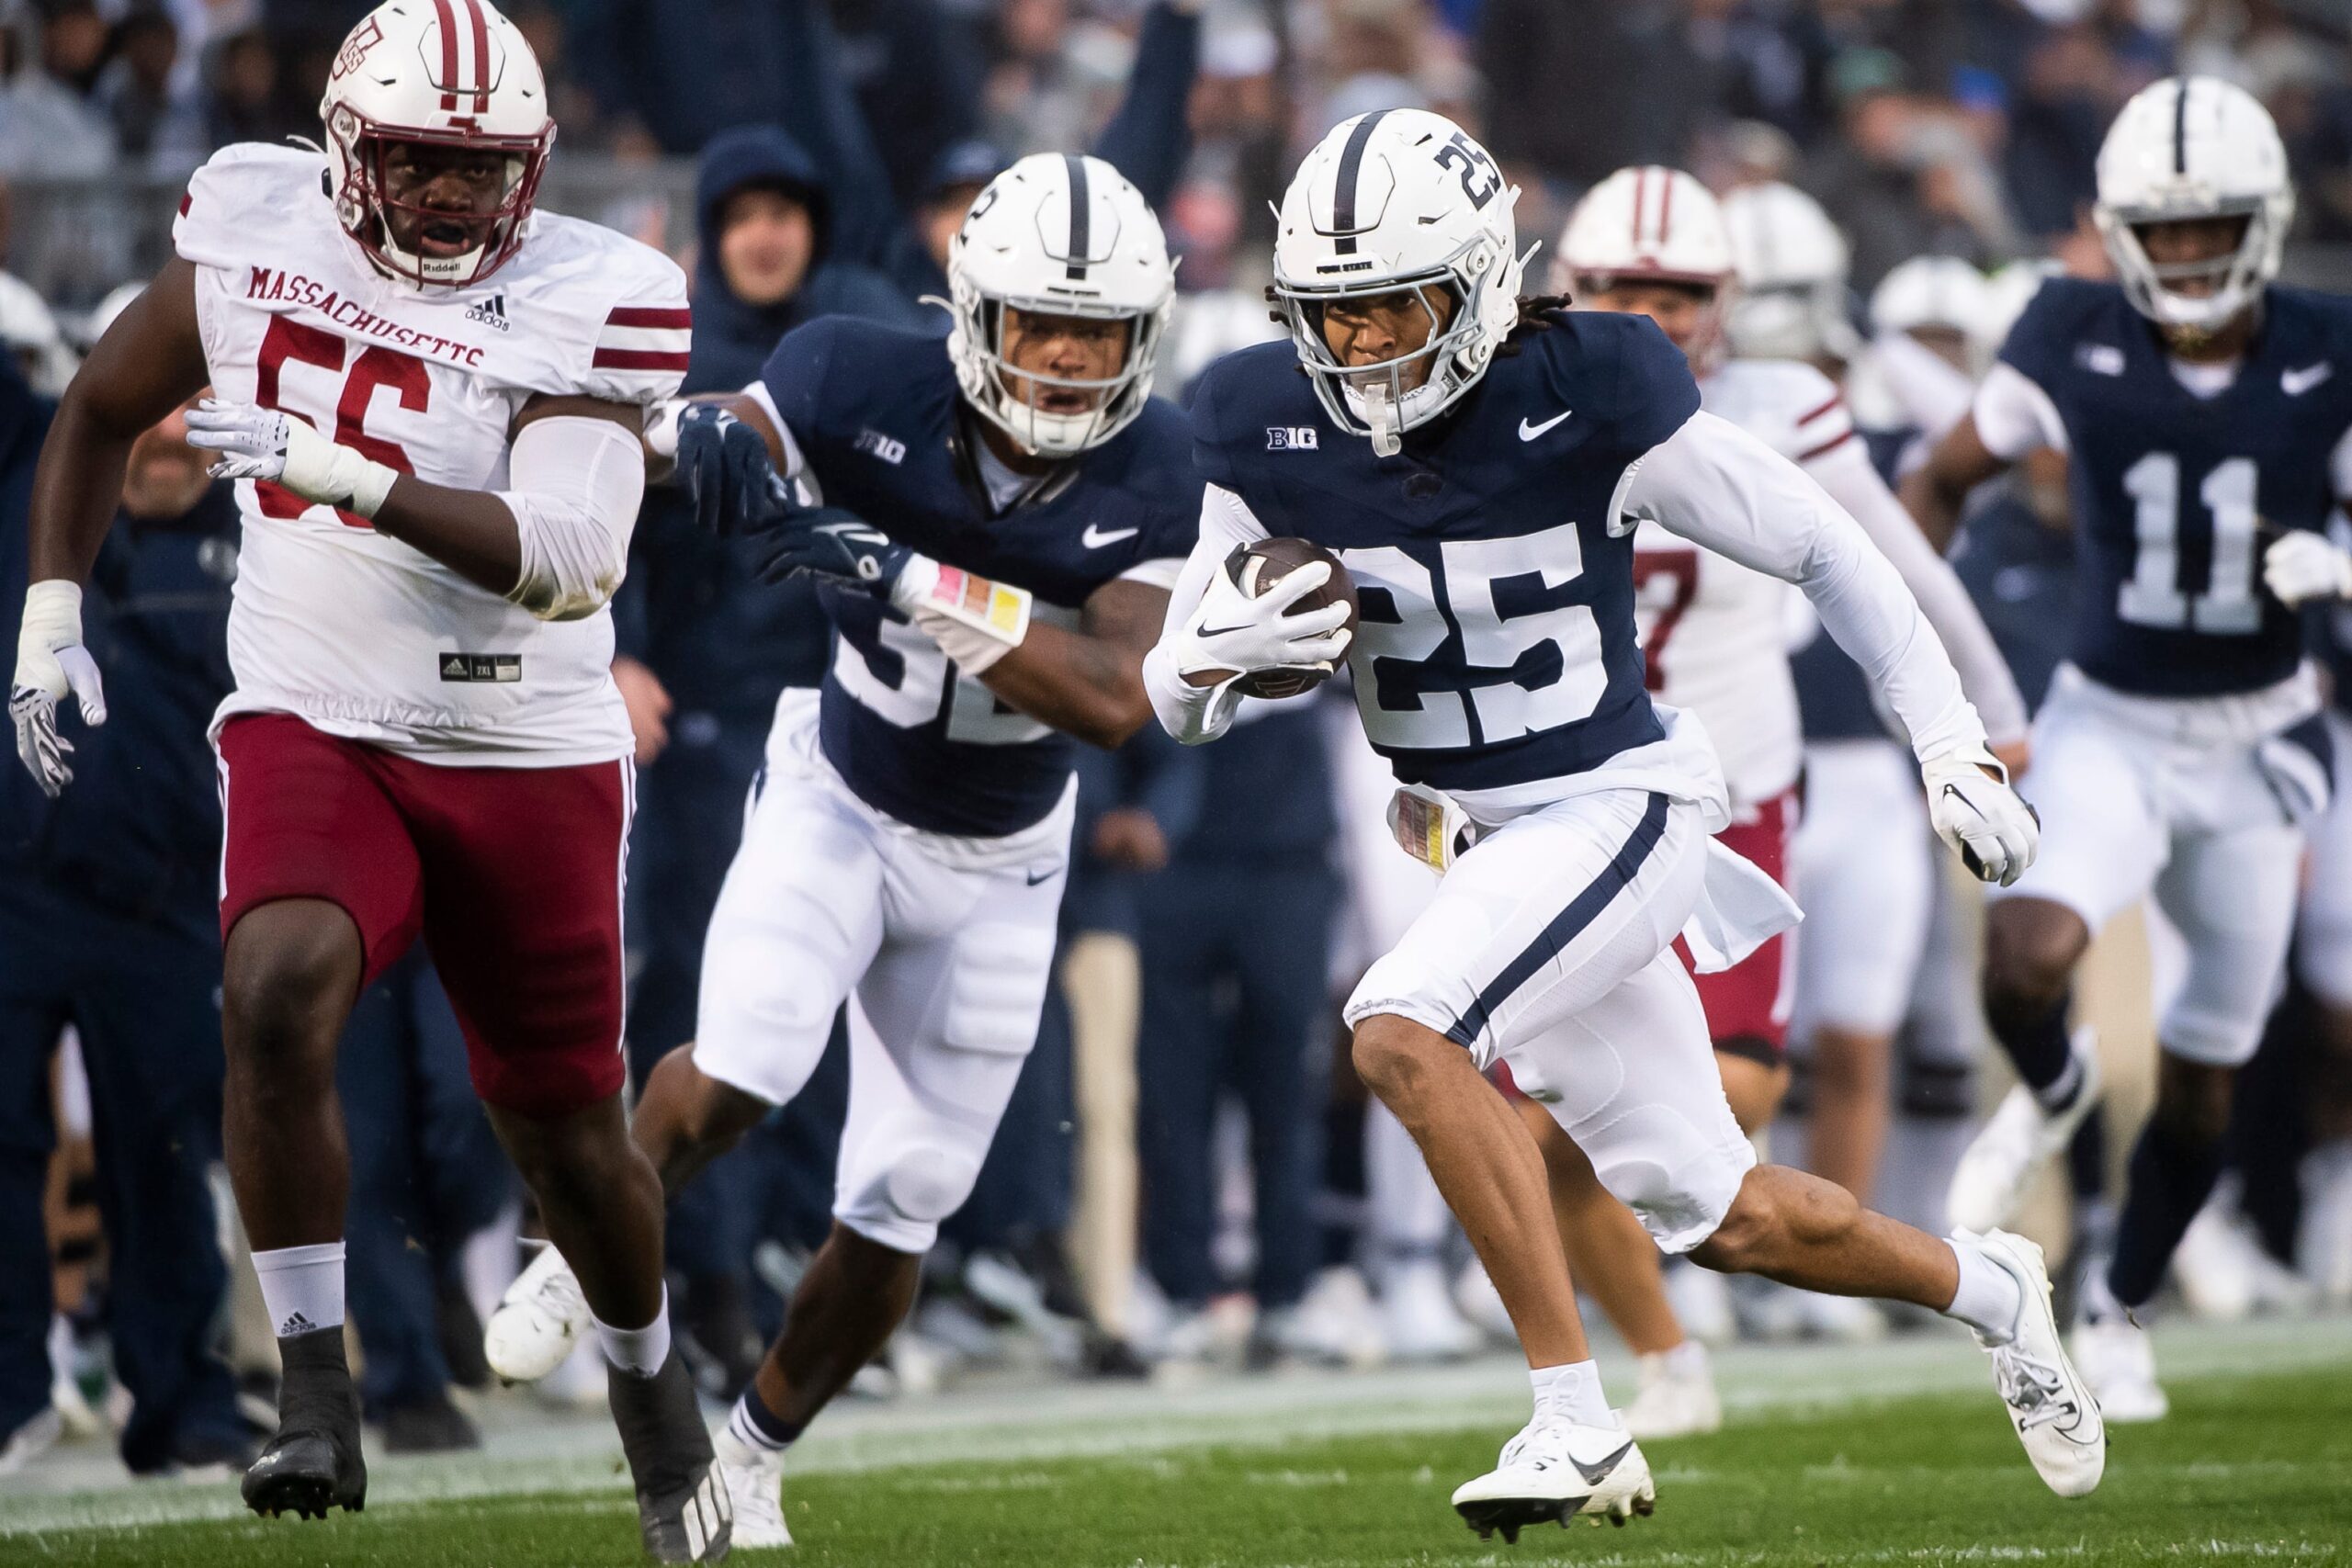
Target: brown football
x=1257, y=568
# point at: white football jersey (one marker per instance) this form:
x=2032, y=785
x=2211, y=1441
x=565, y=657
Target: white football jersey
x=1715, y=634
x=356, y=634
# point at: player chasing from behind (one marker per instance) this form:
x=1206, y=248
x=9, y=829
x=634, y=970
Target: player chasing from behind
x=1478, y=464
x=430, y=399
x=2207, y=413
x=1652, y=241
x=993, y=522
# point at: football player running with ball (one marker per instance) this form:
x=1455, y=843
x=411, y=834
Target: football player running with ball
x=1479, y=463
x=2207, y=412
x=993, y=521
x=431, y=399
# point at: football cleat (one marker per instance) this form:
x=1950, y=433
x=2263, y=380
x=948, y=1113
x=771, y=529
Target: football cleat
x=540, y=1320
x=1991, y=1179
x=2051, y=1405
x=683, y=1510
x=2119, y=1364
x=1418, y=1318
x=1551, y=1471
x=754, y=1482
x=1678, y=1397
x=313, y=1463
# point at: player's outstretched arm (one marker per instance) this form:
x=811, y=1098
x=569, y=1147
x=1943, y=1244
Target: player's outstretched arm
x=555, y=541
x=1935, y=491
x=150, y=361
x=1721, y=488
x=1088, y=682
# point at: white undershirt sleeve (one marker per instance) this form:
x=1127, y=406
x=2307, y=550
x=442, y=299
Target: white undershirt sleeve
x=2014, y=416
x=1193, y=714
x=1721, y=488
x=1846, y=475
x=575, y=482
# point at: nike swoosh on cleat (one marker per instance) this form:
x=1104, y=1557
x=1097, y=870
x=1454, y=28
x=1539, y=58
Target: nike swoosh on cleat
x=1599, y=1470
x=1529, y=431
x=1094, y=538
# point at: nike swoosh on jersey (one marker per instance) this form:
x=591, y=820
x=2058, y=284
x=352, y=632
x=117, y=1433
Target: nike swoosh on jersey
x=2295, y=383
x=1529, y=431
x=1094, y=538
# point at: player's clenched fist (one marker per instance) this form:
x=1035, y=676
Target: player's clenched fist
x=723, y=466
x=1992, y=829
x=2303, y=565
x=50, y=661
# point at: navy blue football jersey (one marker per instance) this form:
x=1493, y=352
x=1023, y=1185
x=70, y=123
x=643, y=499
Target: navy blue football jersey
x=878, y=416
x=1495, y=645
x=2176, y=496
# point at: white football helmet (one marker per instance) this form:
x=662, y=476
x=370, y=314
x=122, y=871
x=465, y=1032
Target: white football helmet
x=1394, y=201
x=29, y=327
x=448, y=73
x=1793, y=264
x=2187, y=148
x=1057, y=235
x=1931, y=292
x=1654, y=225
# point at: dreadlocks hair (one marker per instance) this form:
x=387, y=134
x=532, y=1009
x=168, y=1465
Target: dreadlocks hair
x=1535, y=313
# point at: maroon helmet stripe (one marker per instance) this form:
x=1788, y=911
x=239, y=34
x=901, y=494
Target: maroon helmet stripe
x=1665, y=203
x=448, y=83
x=1641, y=190
x=638, y=359
x=657, y=317
x=481, y=56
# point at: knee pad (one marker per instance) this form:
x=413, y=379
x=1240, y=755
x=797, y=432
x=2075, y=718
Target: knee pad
x=911, y=1171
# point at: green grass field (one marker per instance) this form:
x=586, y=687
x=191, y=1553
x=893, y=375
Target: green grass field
x=2248, y=1468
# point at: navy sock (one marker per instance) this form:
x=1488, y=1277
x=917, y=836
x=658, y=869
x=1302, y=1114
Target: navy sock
x=753, y=1424
x=2087, y=1160
x=2171, y=1179
x=2037, y=1046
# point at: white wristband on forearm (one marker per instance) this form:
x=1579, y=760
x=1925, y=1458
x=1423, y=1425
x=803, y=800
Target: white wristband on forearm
x=319, y=470
x=975, y=621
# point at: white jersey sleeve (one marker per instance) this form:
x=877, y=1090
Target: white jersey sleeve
x=1721, y=488
x=1846, y=474
x=1191, y=713
x=608, y=314
x=2014, y=416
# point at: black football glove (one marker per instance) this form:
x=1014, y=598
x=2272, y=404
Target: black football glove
x=724, y=466
x=833, y=544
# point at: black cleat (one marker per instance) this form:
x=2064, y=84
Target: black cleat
x=312, y=1463
x=682, y=1505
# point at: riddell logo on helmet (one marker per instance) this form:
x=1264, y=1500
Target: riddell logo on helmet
x=364, y=37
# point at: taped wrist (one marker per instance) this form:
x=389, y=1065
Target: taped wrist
x=577, y=481
x=975, y=621
x=322, y=470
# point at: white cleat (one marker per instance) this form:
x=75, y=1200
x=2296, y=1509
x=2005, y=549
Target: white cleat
x=1417, y=1316
x=1702, y=1301
x=540, y=1321
x=2051, y=1406
x=1678, y=1397
x=1334, y=1324
x=1553, y=1470
x=1844, y=1320
x=2119, y=1364
x=755, y=1486
x=2011, y=1148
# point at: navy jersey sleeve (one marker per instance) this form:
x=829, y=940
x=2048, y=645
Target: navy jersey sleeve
x=1656, y=395
x=2039, y=339
x=794, y=373
x=1212, y=459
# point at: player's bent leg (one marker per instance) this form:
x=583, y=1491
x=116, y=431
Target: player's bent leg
x=2031, y=948
x=290, y=972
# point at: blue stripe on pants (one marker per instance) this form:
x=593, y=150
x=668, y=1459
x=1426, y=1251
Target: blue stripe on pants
x=1564, y=926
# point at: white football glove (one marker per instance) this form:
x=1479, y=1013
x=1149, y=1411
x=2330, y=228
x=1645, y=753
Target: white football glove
x=50, y=661
x=2302, y=565
x=1994, y=831
x=262, y=444
x=1232, y=630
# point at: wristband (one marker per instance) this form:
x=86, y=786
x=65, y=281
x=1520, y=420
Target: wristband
x=974, y=620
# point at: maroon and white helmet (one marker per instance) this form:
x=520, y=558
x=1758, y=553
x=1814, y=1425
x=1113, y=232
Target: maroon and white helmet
x=448, y=73
x=1650, y=224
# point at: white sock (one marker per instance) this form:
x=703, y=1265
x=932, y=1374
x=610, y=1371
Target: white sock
x=1573, y=1391
x=1989, y=1299
x=637, y=1351
x=1687, y=1359
x=301, y=1287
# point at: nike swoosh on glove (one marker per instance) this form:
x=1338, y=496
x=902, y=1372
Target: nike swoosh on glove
x=1232, y=630
x=2303, y=565
x=835, y=544
x=1994, y=832
x=728, y=476
x=50, y=661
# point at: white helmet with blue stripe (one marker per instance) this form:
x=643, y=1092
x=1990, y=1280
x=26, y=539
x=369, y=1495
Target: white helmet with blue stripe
x=1057, y=235
x=2185, y=148
x=1389, y=202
